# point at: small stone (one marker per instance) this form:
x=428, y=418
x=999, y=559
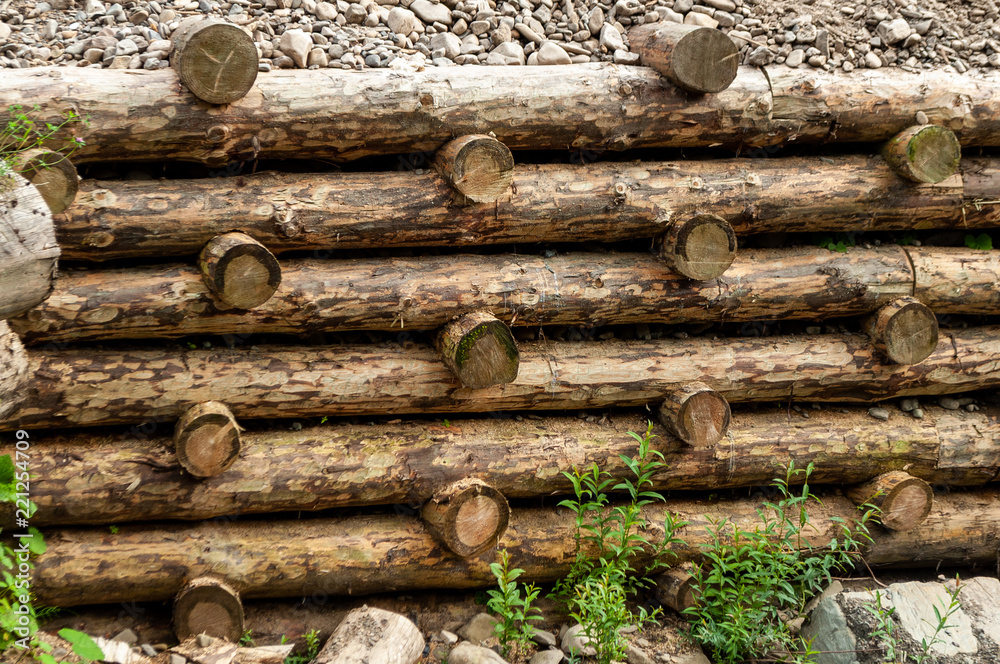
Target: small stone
x=611, y=39
x=724, y=5
x=403, y=21
x=151, y=64
x=817, y=60
x=547, y=657
x=126, y=636
x=120, y=62
x=449, y=637
x=795, y=58
x=623, y=57
x=430, y=12
x=449, y=43
x=94, y=7
x=704, y=20
x=543, y=638
x=204, y=640
x=917, y=413
x=501, y=35
x=126, y=47
x=894, y=31
x=326, y=11
x=908, y=405
x=460, y=27
x=93, y=55
x=318, y=58
x=576, y=640
x=466, y=653
x=872, y=61
x=177, y=659
x=296, y=44
x=160, y=45
x=284, y=62
x=149, y=650
x=549, y=53
x=372, y=60
x=479, y=629
x=508, y=53
x=879, y=413
x=355, y=14
x=595, y=20
x=636, y=656
x=760, y=57
x=949, y=403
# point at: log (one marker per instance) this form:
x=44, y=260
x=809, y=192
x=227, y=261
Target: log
x=221, y=651
x=52, y=174
x=93, y=387
x=216, y=61
x=696, y=414
x=376, y=553
x=146, y=116
x=806, y=283
x=550, y=203
x=924, y=153
x=479, y=167
x=207, y=439
x=469, y=517
x=239, y=270
x=480, y=350
x=695, y=58
x=369, y=635
x=903, y=501
x=208, y=605
x=28, y=250
x=905, y=331
x=15, y=371
x=136, y=477
x=701, y=248
x=675, y=588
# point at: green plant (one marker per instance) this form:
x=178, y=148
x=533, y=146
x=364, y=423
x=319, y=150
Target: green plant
x=247, y=638
x=312, y=649
x=841, y=243
x=113, y=529
x=748, y=576
x=514, y=611
x=23, y=131
x=885, y=629
x=983, y=242
x=942, y=622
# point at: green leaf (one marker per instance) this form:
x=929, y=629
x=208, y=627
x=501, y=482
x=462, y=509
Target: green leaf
x=36, y=543
x=7, y=474
x=83, y=645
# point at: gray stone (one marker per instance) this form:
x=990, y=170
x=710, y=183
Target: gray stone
x=479, y=27
x=326, y=11
x=611, y=39
x=355, y=14
x=724, y=5
x=704, y=20
x=296, y=44
x=547, y=657
x=149, y=650
x=879, y=413
x=94, y=7
x=917, y=413
x=595, y=20
x=449, y=637
x=403, y=21
x=466, y=653
x=501, y=34
x=126, y=47
x=636, y=656
x=160, y=45
x=544, y=638
x=449, y=43
x=696, y=657
x=795, y=58
x=828, y=631
x=894, y=31
x=529, y=34
x=373, y=61
x=760, y=57
x=508, y=53
x=914, y=603
x=5, y=31
x=177, y=659
x=430, y=12
x=479, y=629
x=549, y=53
x=872, y=61
x=318, y=58
x=908, y=405
x=949, y=403
x=126, y=636
x=980, y=598
x=623, y=57
x=575, y=642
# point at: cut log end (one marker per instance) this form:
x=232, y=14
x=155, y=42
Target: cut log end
x=53, y=175
x=215, y=60
x=239, y=270
x=676, y=588
x=699, y=248
x=696, y=414
x=905, y=331
x=481, y=168
x=468, y=517
x=207, y=439
x=480, y=350
x=904, y=500
x=695, y=58
x=208, y=606
x=925, y=153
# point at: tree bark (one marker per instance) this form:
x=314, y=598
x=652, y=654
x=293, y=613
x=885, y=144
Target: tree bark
x=384, y=553
x=924, y=153
x=15, y=371
x=207, y=439
x=904, y=501
x=28, y=250
x=208, y=605
x=695, y=58
x=469, y=517
x=480, y=350
x=806, y=283
x=369, y=635
x=215, y=60
x=904, y=331
x=146, y=116
x=552, y=202
x=90, y=387
x=479, y=167
x=239, y=270
x=52, y=175
x=696, y=414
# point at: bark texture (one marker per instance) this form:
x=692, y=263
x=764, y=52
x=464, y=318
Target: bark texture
x=88, y=387
x=695, y=58
x=28, y=249
x=426, y=292
x=15, y=371
x=99, y=478
x=602, y=201
x=52, y=175
x=384, y=553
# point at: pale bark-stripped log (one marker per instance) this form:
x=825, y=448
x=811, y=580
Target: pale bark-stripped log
x=696, y=414
x=552, y=202
x=902, y=499
x=215, y=60
x=99, y=478
x=468, y=517
x=424, y=293
x=208, y=605
x=52, y=174
x=383, y=553
x=239, y=270
x=14, y=371
x=904, y=331
x=479, y=349
x=207, y=439
x=701, y=247
x=220, y=651
x=695, y=58
x=675, y=589
x=334, y=114
x=28, y=250
x=479, y=167
x=89, y=387
x=373, y=636
x=924, y=153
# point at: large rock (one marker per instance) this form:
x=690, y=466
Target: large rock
x=508, y=53
x=296, y=45
x=431, y=12
x=551, y=53
x=466, y=653
x=448, y=42
x=403, y=21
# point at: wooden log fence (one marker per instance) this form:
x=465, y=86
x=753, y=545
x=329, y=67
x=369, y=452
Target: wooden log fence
x=94, y=387
x=98, y=477
x=357, y=555
x=603, y=201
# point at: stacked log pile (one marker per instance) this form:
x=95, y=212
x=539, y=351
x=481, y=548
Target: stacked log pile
x=204, y=447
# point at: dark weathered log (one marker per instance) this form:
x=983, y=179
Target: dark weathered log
x=382, y=553
x=479, y=167
x=88, y=387
x=480, y=350
x=701, y=247
x=14, y=371
x=904, y=501
x=52, y=174
x=695, y=58
x=696, y=414
x=239, y=270
x=215, y=60
x=207, y=439
x=468, y=517
x=552, y=202
x=369, y=635
x=571, y=289
x=905, y=331
x=924, y=153
x=208, y=605
x=675, y=589
x=28, y=249
x=134, y=478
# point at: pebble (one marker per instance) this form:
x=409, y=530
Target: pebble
x=296, y=44
x=892, y=32
x=507, y=53
x=795, y=58
x=149, y=650
x=429, y=12
x=949, y=403
x=879, y=413
x=611, y=39
x=550, y=53
x=908, y=405
x=872, y=61
x=703, y=20
x=917, y=413
x=126, y=636
x=403, y=21
x=177, y=659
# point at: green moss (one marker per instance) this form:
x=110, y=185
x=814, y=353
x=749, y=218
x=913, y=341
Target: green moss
x=499, y=332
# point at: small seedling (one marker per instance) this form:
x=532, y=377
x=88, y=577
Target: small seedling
x=982, y=242
x=513, y=610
